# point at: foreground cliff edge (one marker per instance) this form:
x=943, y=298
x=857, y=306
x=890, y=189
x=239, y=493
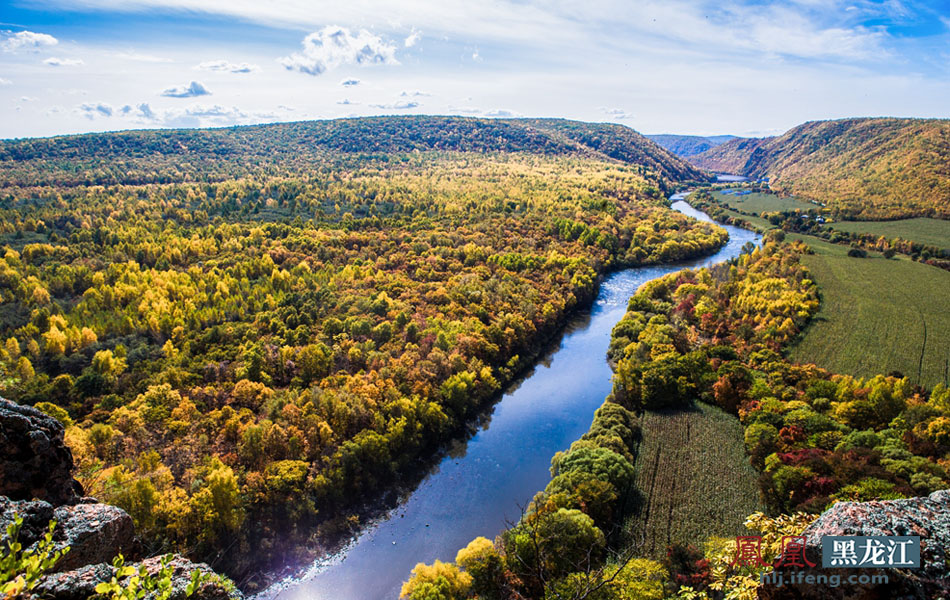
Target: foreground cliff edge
x=36, y=487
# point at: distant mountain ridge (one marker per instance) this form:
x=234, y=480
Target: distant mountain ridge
x=142, y=156
x=689, y=145
x=866, y=168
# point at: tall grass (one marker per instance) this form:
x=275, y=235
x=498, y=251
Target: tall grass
x=693, y=477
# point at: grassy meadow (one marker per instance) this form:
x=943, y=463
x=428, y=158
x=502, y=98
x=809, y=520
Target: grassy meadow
x=877, y=315
x=758, y=203
x=933, y=232
x=693, y=477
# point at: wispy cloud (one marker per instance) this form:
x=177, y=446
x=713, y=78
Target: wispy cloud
x=63, y=62
x=616, y=113
x=350, y=82
x=414, y=94
x=191, y=90
x=91, y=110
x=227, y=67
x=5, y=81
x=334, y=46
x=401, y=105
x=25, y=39
x=140, y=57
x=412, y=39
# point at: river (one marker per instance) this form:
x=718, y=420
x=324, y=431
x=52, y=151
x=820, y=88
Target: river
x=477, y=490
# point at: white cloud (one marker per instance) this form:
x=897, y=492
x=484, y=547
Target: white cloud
x=501, y=113
x=140, y=57
x=146, y=111
x=227, y=67
x=350, y=82
x=401, y=105
x=91, y=110
x=186, y=91
x=413, y=38
x=413, y=94
x=334, y=46
x=25, y=39
x=63, y=62
x=347, y=102
x=616, y=113
x=5, y=81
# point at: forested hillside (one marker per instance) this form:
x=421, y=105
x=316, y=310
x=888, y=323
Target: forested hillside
x=252, y=332
x=689, y=145
x=175, y=156
x=861, y=168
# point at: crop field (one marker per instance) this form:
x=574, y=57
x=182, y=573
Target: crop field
x=694, y=479
x=934, y=232
x=877, y=316
x=758, y=203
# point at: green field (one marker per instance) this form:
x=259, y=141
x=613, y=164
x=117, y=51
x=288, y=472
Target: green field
x=933, y=232
x=877, y=315
x=758, y=202
x=693, y=477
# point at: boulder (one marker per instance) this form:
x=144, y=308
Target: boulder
x=36, y=516
x=34, y=460
x=80, y=584
x=927, y=517
x=95, y=533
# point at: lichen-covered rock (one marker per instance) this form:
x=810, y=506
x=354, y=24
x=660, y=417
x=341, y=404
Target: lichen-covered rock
x=81, y=583
x=95, y=533
x=34, y=460
x=927, y=517
x=36, y=515
x=74, y=585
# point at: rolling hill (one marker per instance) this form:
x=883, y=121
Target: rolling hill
x=689, y=145
x=864, y=169
x=167, y=156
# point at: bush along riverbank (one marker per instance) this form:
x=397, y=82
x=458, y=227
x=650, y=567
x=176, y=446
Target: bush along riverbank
x=714, y=336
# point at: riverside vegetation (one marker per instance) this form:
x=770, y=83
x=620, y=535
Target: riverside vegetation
x=713, y=336
x=877, y=292
x=252, y=332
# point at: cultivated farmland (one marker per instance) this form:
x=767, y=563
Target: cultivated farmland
x=933, y=232
x=693, y=477
x=877, y=316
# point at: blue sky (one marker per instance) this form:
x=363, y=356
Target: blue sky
x=659, y=66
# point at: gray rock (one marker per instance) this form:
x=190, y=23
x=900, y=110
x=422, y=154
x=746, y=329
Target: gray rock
x=927, y=517
x=95, y=533
x=36, y=516
x=74, y=585
x=34, y=460
x=81, y=583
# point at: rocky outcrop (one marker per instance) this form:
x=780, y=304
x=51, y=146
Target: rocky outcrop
x=34, y=459
x=81, y=583
x=927, y=517
x=36, y=474
x=94, y=533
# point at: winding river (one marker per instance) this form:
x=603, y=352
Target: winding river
x=476, y=490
